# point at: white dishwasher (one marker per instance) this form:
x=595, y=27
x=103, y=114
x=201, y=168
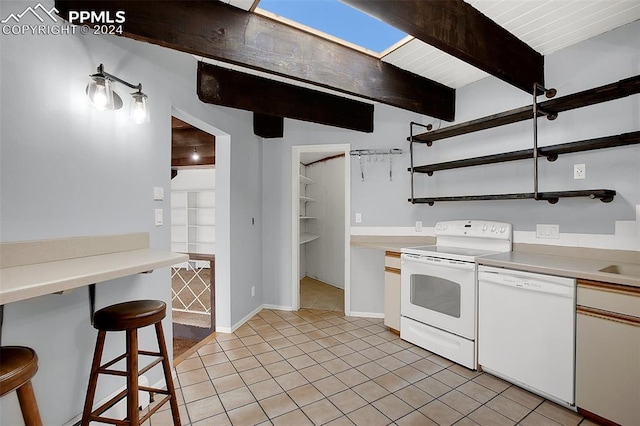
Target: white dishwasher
x=526, y=331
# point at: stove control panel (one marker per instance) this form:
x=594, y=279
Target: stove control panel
x=474, y=228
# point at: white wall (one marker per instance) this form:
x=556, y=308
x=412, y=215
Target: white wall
x=68, y=170
x=325, y=256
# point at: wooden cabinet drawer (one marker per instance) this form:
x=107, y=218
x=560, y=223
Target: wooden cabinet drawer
x=620, y=299
x=392, y=259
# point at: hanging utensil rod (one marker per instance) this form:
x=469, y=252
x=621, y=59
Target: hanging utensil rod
x=378, y=156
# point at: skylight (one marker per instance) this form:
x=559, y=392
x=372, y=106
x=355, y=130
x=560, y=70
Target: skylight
x=338, y=20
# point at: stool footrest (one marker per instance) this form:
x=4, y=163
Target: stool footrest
x=150, y=366
x=95, y=415
x=104, y=369
x=113, y=361
x=155, y=408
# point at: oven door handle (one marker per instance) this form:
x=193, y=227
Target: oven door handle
x=435, y=261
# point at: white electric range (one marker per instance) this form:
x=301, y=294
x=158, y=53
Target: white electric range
x=438, y=291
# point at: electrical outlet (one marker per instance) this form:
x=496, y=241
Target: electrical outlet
x=418, y=225
x=358, y=217
x=579, y=171
x=548, y=231
x=253, y=291
x=158, y=193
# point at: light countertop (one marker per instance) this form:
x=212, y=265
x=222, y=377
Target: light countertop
x=36, y=268
x=564, y=266
x=390, y=243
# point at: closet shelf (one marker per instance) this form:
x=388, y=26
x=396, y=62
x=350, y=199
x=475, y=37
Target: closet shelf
x=305, y=180
x=550, y=152
x=308, y=217
x=550, y=108
x=604, y=195
x=305, y=238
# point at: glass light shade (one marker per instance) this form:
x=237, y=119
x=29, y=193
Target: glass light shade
x=138, y=112
x=100, y=93
x=195, y=156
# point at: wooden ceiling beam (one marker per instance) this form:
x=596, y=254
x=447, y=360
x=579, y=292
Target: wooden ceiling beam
x=268, y=126
x=235, y=89
x=215, y=30
x=457, y=28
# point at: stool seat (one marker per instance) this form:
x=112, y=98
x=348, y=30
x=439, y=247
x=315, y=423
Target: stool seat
x=18, y=366
x=129, y=315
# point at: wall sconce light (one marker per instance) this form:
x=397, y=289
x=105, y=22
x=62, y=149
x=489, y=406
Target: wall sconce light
x=104, y=98
x=195, y=156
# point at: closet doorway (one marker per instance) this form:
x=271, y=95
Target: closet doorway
x=192, y=232
x=321, y=228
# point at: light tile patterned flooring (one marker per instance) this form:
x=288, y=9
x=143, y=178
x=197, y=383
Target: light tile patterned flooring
x=315, y=367
x=315, y=294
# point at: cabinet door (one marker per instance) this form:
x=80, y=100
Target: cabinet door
x=608, y=365
x=392, y=298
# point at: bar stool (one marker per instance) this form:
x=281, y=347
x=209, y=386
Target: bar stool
x=17, y=366
x=129, y=317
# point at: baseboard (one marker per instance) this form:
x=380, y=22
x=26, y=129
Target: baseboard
x=366, y=314
x=277, y=307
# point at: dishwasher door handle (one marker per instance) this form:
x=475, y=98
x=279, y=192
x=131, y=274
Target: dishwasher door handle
x=530, y=284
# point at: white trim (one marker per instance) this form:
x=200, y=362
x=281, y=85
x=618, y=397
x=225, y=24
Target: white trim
x=295, y=221
x=366, y=315
x=241, y=322
x=222, y=215
x=277, y=307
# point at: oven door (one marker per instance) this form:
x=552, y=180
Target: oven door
x=439, y=292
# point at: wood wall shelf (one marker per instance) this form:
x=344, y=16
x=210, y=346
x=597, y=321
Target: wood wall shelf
x=552, y=107
x=550, y=152
x=604, y=195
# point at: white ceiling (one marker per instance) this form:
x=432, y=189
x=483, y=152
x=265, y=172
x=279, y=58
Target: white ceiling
x=545, y=25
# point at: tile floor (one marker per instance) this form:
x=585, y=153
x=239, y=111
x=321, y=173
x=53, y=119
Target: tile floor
x=315, y=294
x=315, y=367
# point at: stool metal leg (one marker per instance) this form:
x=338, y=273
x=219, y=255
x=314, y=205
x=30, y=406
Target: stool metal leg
x=167, y=374
x=28, y=405
x=93, y=378
x=133, y=413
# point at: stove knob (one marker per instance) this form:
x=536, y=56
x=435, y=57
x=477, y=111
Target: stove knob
x=484, y=227
x=444, y=227
x=438, y=227
x=502, y=229
x=493, y=229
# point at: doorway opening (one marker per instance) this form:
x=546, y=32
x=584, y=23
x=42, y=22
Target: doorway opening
x=193, y=195
x=321, y=198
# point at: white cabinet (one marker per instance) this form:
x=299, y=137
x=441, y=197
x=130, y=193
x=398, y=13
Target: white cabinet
x=392, y=290
x=193, y=221
x=608, y=351
x=306, y=229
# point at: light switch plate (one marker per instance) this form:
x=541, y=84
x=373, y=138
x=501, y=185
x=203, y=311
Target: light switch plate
x=358, y=217
x=159, y=217
x=418, y=225
x=158, y=193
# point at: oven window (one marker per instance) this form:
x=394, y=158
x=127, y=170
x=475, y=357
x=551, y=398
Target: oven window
x=436, y=294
